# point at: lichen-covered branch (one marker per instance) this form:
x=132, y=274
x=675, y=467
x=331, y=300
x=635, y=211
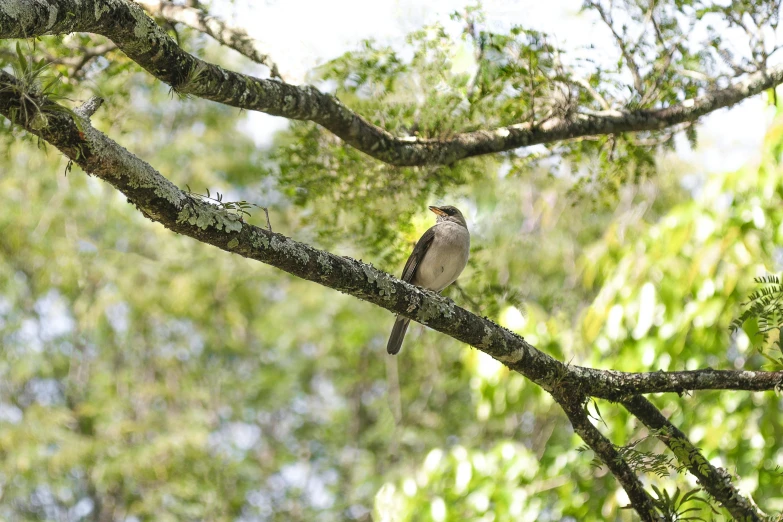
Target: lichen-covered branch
x=90, y=107
x=146, y=43
x=614, y=385
x=574, y=407
x=233, y=37
x=161, y=201
x=716, y=481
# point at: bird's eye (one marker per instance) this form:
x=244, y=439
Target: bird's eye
x=450, y=212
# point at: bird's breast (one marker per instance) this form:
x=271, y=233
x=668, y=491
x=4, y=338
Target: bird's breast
x=445, y=258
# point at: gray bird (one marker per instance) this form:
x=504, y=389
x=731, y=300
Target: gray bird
x=437, y=261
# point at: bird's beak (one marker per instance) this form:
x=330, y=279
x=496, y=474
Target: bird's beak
x=437, y=210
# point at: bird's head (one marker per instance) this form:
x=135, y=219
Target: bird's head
x=449, y=213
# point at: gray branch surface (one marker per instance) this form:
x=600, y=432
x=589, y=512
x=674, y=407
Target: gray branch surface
x=146, y=43
x=88, y=108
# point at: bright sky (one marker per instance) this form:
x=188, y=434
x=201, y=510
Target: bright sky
x=303, y=33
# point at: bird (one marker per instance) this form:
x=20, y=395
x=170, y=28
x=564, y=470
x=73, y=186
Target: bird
x=437, y=261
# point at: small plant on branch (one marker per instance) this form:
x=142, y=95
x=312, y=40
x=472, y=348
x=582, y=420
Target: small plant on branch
x=35, y=92
x=239, y=208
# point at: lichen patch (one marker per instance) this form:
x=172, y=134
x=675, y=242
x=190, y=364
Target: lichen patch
x=21, y=11
x=260, y=240
x=53, y=11
x=435, y=306
x=486, y=339
x=204, y=216
x=516, y=355
x=289, y=249
x=324, y=264
x=100, y=8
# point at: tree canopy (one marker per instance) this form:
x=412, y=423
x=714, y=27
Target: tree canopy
x=611, y=352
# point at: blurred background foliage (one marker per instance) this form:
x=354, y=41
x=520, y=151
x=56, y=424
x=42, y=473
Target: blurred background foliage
x=145, y=376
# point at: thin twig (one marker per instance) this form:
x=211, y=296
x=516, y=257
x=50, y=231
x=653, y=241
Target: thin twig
x=86, y=55
x=594, y=93
x=196, y=18
x=638, y=81
x=266, y=212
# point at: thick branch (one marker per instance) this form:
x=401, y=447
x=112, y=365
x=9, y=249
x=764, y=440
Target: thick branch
x=607, y=452
x=147, y=44
x=614, y=385
x=161, y=201
x=716, y=481
x=233, y=37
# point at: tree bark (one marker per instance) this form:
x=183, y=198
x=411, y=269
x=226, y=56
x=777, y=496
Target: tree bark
x=162, y=202
x=146, y=43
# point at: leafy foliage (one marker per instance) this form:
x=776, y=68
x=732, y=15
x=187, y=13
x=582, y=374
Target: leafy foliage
x=673, y=507
x=765, y=306
x=34, y=81
x=649, y=461
x=145, y=376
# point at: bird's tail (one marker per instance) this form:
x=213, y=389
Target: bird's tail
x=397, y=335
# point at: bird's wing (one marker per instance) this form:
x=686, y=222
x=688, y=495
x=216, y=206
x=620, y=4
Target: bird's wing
x=417, y=255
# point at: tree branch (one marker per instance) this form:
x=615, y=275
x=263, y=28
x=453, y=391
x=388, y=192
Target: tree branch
x=77, y=63
x=716, y=481
x=88, y=108
x=607, y=452
x=616, y=386
x=161, y=201
x=146, y=43
x=234, y=37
